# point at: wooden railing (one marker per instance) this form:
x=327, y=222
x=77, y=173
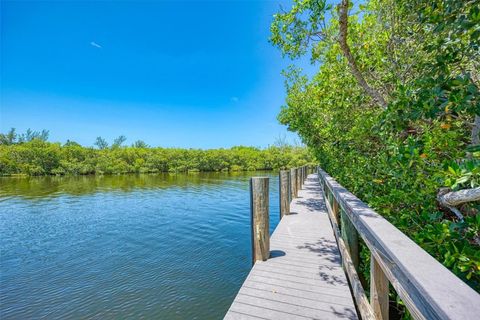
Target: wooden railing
x=428, y=289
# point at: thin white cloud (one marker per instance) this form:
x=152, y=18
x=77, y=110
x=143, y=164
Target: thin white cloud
x=234, y=99
x=96, y=45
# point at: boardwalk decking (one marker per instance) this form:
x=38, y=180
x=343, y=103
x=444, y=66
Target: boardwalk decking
x=303, y=279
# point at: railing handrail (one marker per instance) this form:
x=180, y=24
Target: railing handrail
x=429, y=290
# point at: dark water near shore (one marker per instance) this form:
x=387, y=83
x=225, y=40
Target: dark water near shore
x=132, y=246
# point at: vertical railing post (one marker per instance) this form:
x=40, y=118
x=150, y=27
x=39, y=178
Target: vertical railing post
x=299, y=179
x=335, y=209
x=378, y=290
x=350, y=236
x=293, y=183
x=259, y=207
x=284, y=187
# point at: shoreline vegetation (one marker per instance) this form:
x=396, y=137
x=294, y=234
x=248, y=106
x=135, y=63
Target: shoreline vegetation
x=30, y=154
x=393, y=113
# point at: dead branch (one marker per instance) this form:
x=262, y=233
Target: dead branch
x=455, y=198
x=452, y=199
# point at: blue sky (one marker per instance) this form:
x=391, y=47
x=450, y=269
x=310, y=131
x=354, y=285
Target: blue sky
x=174, y=74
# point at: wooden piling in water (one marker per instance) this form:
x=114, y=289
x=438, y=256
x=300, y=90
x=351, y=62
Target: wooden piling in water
x=284, y=187
x=293, y=183
x=259, y=207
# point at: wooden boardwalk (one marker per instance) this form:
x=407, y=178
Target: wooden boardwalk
x=303, y=279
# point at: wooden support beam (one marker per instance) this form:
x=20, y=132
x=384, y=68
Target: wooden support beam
x=350, y=236
x=259, y=207
x=303, y=176
x=364, y=307
x=300, y=170
x=284, y=187
x=378, y=290
x=293, y=183
x=299, y=179
x=335, y=209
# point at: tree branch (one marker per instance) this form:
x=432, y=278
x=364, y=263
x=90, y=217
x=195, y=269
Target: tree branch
x=455, y=198
x=343, y=21
x=451, y=199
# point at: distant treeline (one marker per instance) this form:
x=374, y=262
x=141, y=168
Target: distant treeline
x=32, y=154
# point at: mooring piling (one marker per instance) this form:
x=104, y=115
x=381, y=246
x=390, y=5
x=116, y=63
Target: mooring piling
x=284, y=187
x=259, y=206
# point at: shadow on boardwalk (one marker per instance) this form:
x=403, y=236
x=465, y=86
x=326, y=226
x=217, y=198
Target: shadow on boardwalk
x=328, y=250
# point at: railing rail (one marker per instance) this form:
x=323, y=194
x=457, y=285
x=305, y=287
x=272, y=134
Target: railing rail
x=428, y=289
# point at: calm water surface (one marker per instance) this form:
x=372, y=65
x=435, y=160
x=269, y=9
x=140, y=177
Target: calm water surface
x=133, y=246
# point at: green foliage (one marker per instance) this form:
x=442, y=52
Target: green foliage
x=423, y=58
x=11, y=137
x=117, y=142
x=38, y=157
x=140, y=144
x=101, y=143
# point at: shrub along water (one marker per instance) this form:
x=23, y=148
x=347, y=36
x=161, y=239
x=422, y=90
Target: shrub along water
x=393, y=112
x=35, y=156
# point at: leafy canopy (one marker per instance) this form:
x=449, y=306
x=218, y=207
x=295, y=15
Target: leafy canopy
x=423, y=58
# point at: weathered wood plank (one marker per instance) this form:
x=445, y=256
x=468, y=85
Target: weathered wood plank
x=307, y=287
x=378, y=290
x=294, y=310
x=303, y=278
x=429, y=290
x=288, y=291
x=350, y=236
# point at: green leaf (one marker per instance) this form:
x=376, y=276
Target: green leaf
x=474, y=148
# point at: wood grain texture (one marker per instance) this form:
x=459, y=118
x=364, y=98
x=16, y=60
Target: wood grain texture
x=293, y=183
x=284, y=187
x=259, y=206
x=350, y=236
x=428, y=289
x=299, y=179
x=378, y=290
x=364, y=307
x=303, y=278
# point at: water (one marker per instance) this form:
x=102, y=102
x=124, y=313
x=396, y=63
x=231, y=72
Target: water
x=133, y=246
